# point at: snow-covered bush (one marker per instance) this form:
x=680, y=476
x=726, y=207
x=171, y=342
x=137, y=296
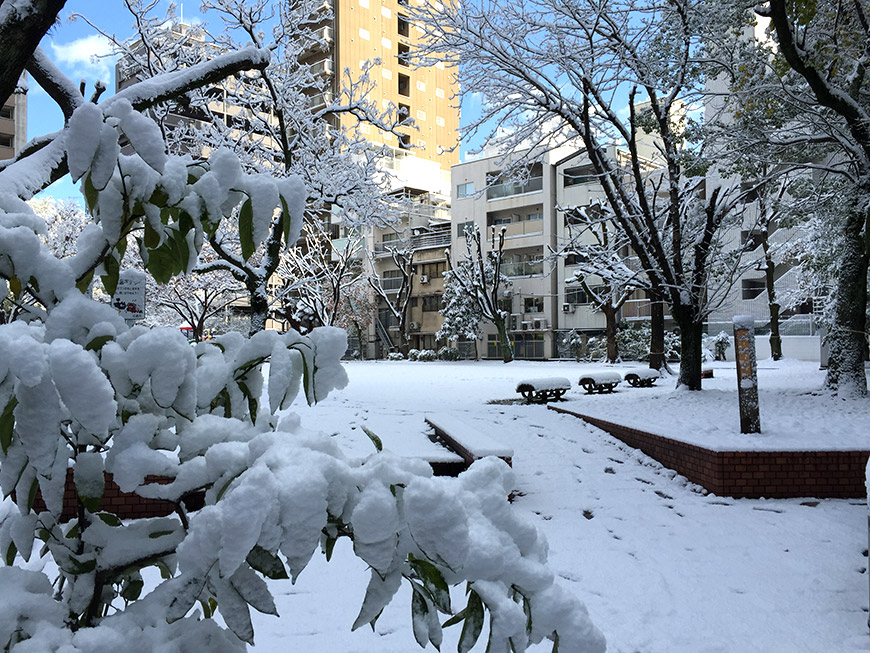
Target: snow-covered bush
x=81, y=391
x=716, y=345
x=395, y=356
x=634, y=342
x=413, y=354
x=427, y=355
x=446, y=353
x=572, y=345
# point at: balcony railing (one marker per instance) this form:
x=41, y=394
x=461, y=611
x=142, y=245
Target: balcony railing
x=524, y=269
x=424, y=241
x=514, y=188
x=391, y=283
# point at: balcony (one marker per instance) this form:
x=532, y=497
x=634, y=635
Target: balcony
x=391, y=284
x=511, y=188
x=423, y=241
x=520, y=229
x=525, y=269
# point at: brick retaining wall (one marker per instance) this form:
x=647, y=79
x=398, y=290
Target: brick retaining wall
x=750, y=474
x=125, y=505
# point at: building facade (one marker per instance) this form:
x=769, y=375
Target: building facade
x=13, y=124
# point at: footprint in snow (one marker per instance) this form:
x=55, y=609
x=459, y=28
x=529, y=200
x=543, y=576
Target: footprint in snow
x=609, y=470
x=663, y=495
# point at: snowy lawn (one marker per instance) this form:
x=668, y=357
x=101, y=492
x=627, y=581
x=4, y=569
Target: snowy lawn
x=660, y=565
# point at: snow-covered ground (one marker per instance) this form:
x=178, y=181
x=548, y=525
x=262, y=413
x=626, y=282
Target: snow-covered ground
x=661, y=565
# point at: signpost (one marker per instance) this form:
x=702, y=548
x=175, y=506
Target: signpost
x=747, y=373
x=129, y=297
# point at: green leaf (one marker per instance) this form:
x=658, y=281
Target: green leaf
x=266, y=563
x=473, y=623
x=91, y=194
x=97, y=343
x=7, y=424
x=83, y=283
x=434, y=583
x=420, y=616
x=79, y=567
x=91, y=504
x=152, y=238
x=31, y=495
x=379, y=446
x=157, y=534
x=113, y=270
x=11, y=552
x=246, y=229
x=132, y=588
x=109, y=518
x=15, y=286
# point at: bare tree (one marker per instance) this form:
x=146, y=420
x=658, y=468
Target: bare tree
x=552, y=71
x=397, y=300
x=479, y=277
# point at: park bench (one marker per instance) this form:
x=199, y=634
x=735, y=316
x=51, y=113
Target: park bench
x=543, y=390
x=599, y=381
x=465, y=439
x=640, y=377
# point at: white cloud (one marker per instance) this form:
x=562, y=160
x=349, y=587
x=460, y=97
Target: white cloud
x=85, y=58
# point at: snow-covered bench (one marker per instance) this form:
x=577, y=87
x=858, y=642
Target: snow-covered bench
x=599, y=381
x=542, y=390
x=640, y=377
x=465, y=439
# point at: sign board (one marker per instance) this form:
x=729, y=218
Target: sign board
x=129, y=297
x=747, y=373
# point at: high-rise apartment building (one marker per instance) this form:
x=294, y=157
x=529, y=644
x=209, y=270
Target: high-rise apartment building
x=378, y=36
x=13, y=124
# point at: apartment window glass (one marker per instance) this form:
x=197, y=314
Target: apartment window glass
x=404, y=111
x=431, y=303
x=462, y=227
x=404, y=85
x=465, y=190
x=578, y=175
x=404, y=141
x=533, y=304
x=5, y=140
x=576, y=296
x=538, y=215
x=390, y=237
x=404, y=25
x=404, y=54
x=7, y=112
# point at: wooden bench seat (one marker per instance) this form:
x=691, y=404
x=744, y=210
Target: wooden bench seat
x=600, y=381
x=543, y=390
x=465, y=439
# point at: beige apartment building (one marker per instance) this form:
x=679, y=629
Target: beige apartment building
x=13, y=124
x=377, y=36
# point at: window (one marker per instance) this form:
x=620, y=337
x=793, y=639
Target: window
x=404, y=141
x=390, y=237
x=433, y=270
x=465, y=190
x=505, y=305
x=533, y=305
x=576, y=296
x=538, y=215
x=403, y=25
x=5, y=140
x=752, y=288
x=751, y=239
x=579, y=175
x=462, y=227
x=7, y=112
x=404, y=54
x=575, y=259
x=431, y=303
x=404, y=85
x=404, y=111
x=413, y=302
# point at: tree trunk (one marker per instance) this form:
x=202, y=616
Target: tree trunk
x=846, y=374
x=259, y=312
x=610, y=332
x=657, y=334
x=691, y=335
x=507, y=351
x=769, y=282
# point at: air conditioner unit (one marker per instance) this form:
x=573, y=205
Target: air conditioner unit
x=540, y=324
x=567, y=308
x=515, y=322
x=414, y=326
x=424, y=278
x=525, y=326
